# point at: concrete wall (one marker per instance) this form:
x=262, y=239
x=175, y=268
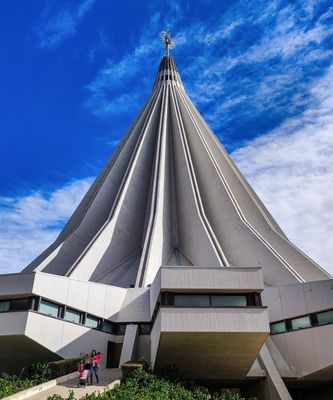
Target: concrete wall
x=16, y=285
x=135, y=306
x=214, y=319
x=13, y=323
x=118, y=304
x=59, y=336
x=222, y=279
x=295, y=300
x=307, y=350
x=29, y=334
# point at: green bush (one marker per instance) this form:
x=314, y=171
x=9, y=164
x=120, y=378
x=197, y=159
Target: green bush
x=58, y=397
x=9, y=386
x=144, y=385
x=63, y=367
x=128, y=367
x=37, y=374
x=40, y=372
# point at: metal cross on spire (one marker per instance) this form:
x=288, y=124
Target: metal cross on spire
x=167, y=41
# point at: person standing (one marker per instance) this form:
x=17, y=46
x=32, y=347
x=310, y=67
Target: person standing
x=94, y=361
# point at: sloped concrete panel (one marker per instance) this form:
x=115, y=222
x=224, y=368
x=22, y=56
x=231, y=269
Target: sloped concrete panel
x=209, y=343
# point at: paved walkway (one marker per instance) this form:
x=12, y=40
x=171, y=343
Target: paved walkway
x=106, y=377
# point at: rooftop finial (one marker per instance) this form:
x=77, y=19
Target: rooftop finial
x=167, y=41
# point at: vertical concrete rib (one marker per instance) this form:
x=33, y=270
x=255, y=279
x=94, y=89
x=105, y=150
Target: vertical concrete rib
x=161, y=241
x=211, y=251
x=155, y=195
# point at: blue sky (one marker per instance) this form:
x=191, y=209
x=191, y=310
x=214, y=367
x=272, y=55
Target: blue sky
x=73, y=75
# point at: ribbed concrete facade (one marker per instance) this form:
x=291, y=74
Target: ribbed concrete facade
x=176, y=240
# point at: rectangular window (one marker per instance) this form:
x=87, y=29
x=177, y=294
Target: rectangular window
x=4, y=305
x=121, y=329
x=72, y=315
x=325, y=317
x=46, y=307
x=19, y=304
x=108, y=327
x=228, y=301
x=278, y=327
x=92, y=322
x=145, y=329
x=301, y=322
x=183, y=300
x=167, y=299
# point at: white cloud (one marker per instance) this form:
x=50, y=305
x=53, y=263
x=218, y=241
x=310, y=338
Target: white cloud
x=58, y=27
x=29, y=224
x=284, y=54
x=292, y=171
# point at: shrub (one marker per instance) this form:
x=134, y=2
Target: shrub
x=6, y=387
x=58, y=397
x=63, y=367
x=144, y=385
x=36, y=374
x=40, y=372
x=128, y=367
x=9, y=386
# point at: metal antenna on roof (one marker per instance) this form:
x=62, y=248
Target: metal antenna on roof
x=167, y=41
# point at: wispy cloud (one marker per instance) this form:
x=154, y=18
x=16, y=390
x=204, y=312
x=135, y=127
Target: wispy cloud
x=30, y=223
x=106, y=91
x=101, y=45
x=262, y=70
x=55, y=28
x=257, y=59
x=292, y=171
x=130, y=76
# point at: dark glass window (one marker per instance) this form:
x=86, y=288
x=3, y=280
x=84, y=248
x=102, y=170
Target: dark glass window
x=72, y=315
x=203, y=300
x=188, y=300
x=325, y=317
x=4, y=305
x=228, y=301
x=121, y=329
x=145, y=329
x=20, y=304
x=91, y=321
x=278, y=327
x=108, y=327
x=300, y=323
x=167, y=299
x=49, y=308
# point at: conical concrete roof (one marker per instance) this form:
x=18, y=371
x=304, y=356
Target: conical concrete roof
x=171, y=195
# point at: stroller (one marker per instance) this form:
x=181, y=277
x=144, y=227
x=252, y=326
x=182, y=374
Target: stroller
x=84, y=376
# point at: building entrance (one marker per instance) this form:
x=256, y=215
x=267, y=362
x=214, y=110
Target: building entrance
x=113, y=354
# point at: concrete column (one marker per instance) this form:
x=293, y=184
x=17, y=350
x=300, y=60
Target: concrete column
x=280, y=391
x=128, y=350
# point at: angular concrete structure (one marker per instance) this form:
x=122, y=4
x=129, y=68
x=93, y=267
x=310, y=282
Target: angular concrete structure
x=172, y=256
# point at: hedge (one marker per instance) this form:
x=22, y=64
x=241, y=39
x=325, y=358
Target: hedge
x=128, y=367
x=63, y=367
x=144, y=385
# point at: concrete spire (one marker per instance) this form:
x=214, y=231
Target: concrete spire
x=171, y=195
